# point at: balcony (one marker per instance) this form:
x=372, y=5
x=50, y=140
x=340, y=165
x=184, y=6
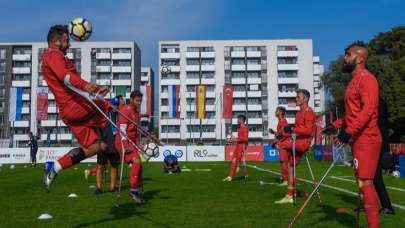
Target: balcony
x=290, y=120
x=287, y=67
x=169, y=121
x=196, y=68
x=239, y=107
x=174, y=68
x=192, y=68
x=164, y=108
x=205, y=135
x=121, y=82
x=254, y=81
x=25, y=83
x=254, y=93
x=164, y=95
x=238, y=81
x=61, y=136
x=317, y=109
x=70, y=56
x=288, y=80
x=239, y=94
x=144, y=78
x=51, y=109
x=287, y=53
x=192, y=81
x=192, y=107
x=203, y=55
x=255, y=107
x=315, y=59
x=52, y=123
x=254, y=54
x=194, y=121
x=170, y=135
x=21, y=123
x=25, y=110
x=317, y=78
x=26, y=97
x=208, y=68
x=170, y=82
x=237, y=54
x=255, y=134
x=208, y=81
x=21, y=70
x=103, y=55
x=103, y=69
x=175, y=55
x=291, y=107
x=317, y=96
x=51, y=96
x=254, y=67
x=238, y=67
x=21, y=137
x=126, y=56
x=287, y=94
x=21, y=57
x=43, y=83
x=317, y=71
x=210, y=94
x=121, y=69
x=250, y=121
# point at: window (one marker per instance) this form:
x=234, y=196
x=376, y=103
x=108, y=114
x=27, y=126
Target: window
x=165, y=102
x=288, y=74
x=122, y=50
x=197, y=49
x=287, y=48
x=164, y=89
x=238, y=49
x=287, y=60
x=171, y=62
x=238, y=61
x=122, y=63
x=171, y=76
x=170, y=129
x=170, y=49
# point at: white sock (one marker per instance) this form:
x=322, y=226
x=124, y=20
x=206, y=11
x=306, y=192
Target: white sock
x=57, y=167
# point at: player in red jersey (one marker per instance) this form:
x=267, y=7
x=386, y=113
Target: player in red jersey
x=241, y=143
x=360, y=126
x=76, y=112
x=125, y=148
x=304, y=129
x=280, y=137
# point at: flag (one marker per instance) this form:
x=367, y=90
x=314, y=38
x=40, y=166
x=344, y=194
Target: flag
x=42, y=103
x=320, y=124
x=120, y=90
x=200, y=104
x=146, y=106
x=15, y=103
x=227, y=101
x=174, y=101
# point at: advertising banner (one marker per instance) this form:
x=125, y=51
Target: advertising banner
x=205, y=153
x=271, y=153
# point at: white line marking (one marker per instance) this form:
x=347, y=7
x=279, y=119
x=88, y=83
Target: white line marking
x=388, y=187
x=324, y=185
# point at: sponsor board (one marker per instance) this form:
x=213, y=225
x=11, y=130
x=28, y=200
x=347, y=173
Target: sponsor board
x=271, y=153
x=253, y=152
x=45, y=154
x=205, y=153
x=178, y=151
x=327, y=153
x=317, y=149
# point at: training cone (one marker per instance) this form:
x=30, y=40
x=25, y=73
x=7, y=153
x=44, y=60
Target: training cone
x=92, y=186
x=72, y=195
x=45, y=216
x=341, y=210
x=261, y=182
x=12, y=166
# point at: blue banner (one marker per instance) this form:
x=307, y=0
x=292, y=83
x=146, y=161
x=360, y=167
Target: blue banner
x=271, y=153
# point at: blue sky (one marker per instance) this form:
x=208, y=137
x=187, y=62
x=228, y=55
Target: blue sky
x=331, y=25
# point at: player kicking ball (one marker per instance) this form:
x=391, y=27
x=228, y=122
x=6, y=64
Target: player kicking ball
x=241, y=143
x=125, y=148
x=83, y=119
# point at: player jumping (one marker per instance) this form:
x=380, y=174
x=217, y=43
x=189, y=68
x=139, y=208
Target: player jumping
x=241, y=143
x=304, y=129
x=282, y=136
x=76, y=112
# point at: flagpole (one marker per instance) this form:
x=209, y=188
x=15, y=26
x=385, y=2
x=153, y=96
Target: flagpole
x=220, y=97
x=200, y=75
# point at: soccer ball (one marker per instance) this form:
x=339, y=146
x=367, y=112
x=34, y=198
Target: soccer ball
x=151, y=150
x=80, y=29
x=396, y=174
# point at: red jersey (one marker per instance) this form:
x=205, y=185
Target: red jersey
x=361, y=107
x=280, y=127
x=305, y=124
x=130, y=128
x=243, y=137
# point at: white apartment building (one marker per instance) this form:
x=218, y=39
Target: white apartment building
x=148, y=79
x=114, y=64
x=264, y=74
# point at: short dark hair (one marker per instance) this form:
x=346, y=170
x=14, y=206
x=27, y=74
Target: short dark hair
x=136, y=93
x=56, y=32
x=358, y=43
x=305, y=92
x=242, y=117
x=118, y=96
x=281, y=109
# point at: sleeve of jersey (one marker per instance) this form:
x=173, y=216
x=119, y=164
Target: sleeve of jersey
x=56, y=62
x=243, y=135
x=369, y=104
x=308, y=128
x=123, y=125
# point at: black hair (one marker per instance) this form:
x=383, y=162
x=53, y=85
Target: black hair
x=305, y=92
x=136, y=93
x=281, y=109
x=56, y=32
x=243, y=117
x=358, y=43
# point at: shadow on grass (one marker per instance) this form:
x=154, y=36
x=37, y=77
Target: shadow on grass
x=128, y=210
x=328, y=213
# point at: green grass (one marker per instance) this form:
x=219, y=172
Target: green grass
x=189, y=199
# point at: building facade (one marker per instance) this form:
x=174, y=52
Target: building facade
x=114, y=64
x=264, y=74
x=148, y=80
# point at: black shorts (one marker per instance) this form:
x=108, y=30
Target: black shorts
x=110, y=154
x=104, y=158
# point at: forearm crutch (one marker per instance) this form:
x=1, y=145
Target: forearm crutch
x=313, y=178
x=294, y=137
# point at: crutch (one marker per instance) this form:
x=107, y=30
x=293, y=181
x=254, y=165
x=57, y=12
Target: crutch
x=245, y=170
x=294, y=137
x=313, y=178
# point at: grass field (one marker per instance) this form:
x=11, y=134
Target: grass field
x=188, y=199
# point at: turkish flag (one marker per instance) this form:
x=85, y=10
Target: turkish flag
x=228, y=101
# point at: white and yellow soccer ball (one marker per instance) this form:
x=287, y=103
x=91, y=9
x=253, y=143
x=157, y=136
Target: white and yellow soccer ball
x=151, y=150
x=80, y=29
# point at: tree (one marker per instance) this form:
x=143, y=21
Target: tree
x=387, y=63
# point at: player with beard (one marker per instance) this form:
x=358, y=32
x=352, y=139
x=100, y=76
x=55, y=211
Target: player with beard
x=77, y=113
x=360, y=126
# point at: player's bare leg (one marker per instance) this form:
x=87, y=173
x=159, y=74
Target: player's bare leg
x=74, y=156
x=288, y=198
x=135, y=179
